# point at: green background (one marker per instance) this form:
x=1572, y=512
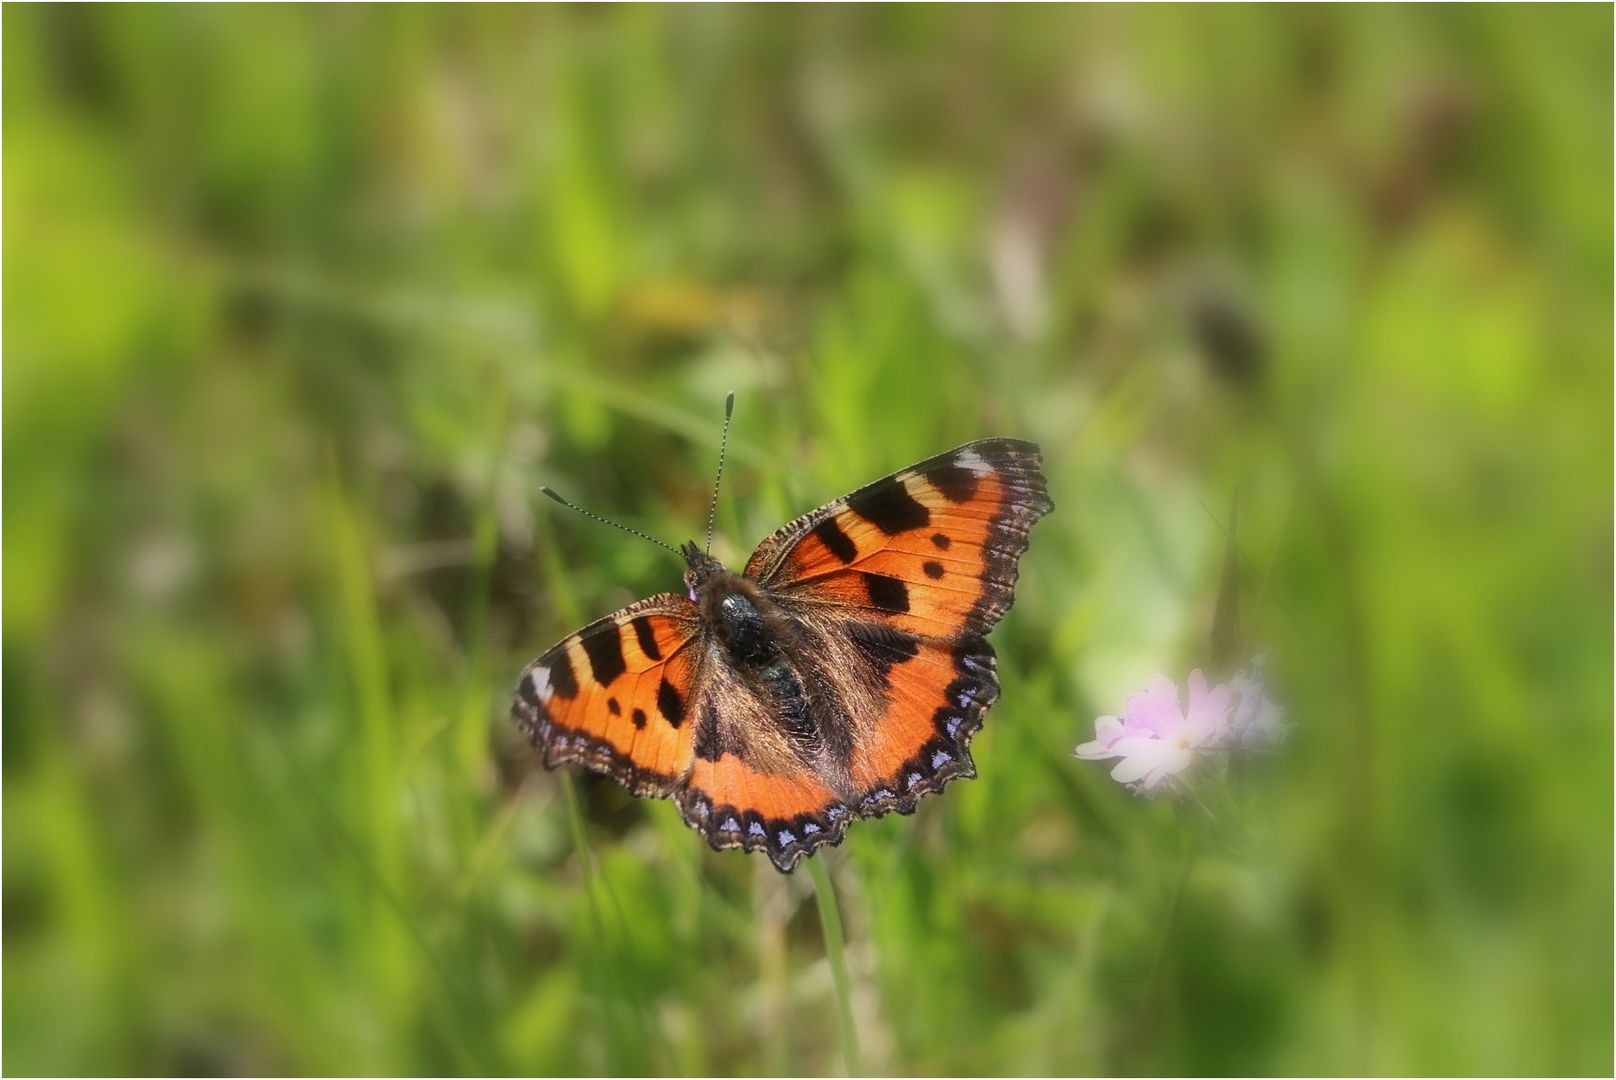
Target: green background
x=303, y=305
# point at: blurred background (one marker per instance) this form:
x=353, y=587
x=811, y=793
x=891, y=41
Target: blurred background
x=304, y=304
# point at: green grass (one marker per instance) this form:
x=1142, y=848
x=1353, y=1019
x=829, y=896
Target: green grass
x=304, y=305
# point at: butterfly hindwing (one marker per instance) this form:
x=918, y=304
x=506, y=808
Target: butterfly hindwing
x=919, y=738
x=616, y=696
x=931, y=549
x=785, y=814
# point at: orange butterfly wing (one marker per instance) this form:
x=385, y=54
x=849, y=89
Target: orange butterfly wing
x=616, y=697
x=920, y=564
x=938, y=692
x=931, y=549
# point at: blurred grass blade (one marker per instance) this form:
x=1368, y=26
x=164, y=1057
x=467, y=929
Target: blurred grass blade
x=1226, y=615
x=830, y=923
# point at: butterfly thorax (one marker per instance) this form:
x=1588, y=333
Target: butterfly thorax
x=735, y=609
x=742, y=620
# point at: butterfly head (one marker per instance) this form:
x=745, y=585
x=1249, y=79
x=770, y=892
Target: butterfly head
x=699, y=566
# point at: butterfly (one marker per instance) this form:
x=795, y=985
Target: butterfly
x=841, y=674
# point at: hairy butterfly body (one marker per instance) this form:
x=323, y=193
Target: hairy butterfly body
x=841, y=674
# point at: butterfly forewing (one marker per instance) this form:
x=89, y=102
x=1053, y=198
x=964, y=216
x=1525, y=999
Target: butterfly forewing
x=932, y=549
x=616, y=696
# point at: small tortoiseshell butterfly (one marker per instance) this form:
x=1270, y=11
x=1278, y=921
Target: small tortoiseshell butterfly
x=842, y=674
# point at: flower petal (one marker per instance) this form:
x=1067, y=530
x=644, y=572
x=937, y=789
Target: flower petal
x=1156, y=709
x=1094, y=750
x=1212, y=703
x=1176, y=760
x=1196, y=684
x=1208, y=718
x=1107, y=730
x=1173, y=760
x=1139, y=758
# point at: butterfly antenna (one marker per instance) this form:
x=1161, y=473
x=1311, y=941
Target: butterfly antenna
x=723, y=444
x=606, y=521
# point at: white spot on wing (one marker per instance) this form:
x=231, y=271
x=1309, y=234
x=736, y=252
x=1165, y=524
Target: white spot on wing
x=968, y=460
x=541, y=684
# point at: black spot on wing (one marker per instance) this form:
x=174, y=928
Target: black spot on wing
x=957, y=484
x=613, y=707
x=638, y=716
x=604, y=648
x=934, y=570
x=670, y=704
x=887, y=593
x=562, y=679
x=941, y=540
x=888, y=506
x=883, y=646
x=831, y=535
x=644, y=634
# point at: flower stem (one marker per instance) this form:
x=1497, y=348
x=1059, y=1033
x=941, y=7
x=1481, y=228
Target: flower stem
x=1175, y=901
x=1135, y=1034
x=830, y=921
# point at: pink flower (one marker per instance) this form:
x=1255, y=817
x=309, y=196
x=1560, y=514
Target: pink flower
x=1157, y=739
